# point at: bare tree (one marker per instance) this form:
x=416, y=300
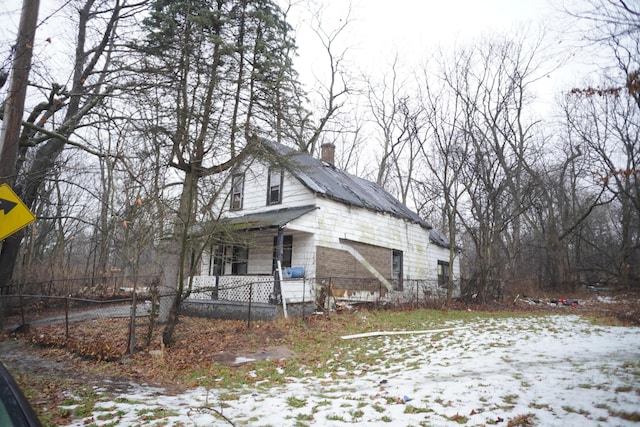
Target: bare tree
x=493, y=85
x=43, y=139
x=607, y=127
x=330, y=91
x=605, y=116
x=445, y=147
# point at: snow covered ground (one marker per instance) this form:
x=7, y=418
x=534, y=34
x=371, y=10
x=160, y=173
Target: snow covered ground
x=550, y=371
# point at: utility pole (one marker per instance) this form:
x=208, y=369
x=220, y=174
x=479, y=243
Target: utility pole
x=19, y=79
x=14, y=105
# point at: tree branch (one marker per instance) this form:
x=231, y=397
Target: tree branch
x=61, y=137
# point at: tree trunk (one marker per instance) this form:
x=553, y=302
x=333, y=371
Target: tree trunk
x=174, y=250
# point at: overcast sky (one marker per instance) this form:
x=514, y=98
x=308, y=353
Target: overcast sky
x=379, y=29
x=416, y=29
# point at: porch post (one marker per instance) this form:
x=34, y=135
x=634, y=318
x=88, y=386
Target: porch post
x=277, y=290
x=218, y=256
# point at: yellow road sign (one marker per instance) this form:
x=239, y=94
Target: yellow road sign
x=14, y=214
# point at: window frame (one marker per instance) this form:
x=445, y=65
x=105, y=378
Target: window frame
x=237, y=191
x=240, y=260
x=397, y=269
x=443, y=273
x=287, y=251
x=273, y=172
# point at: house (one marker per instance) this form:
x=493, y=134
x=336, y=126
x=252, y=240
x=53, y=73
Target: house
x=309, y=231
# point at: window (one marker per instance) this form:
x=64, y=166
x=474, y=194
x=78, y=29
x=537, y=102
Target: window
x=443, y=273
x=216, y=257
x=274, y=187
x=240, y=260
x=237, y=190
x=396, y=270
x=287, y=251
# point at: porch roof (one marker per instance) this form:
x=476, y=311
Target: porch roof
x=270, y=219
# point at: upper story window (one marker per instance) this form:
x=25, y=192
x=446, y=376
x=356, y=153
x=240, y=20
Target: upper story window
x=274, y=187
x=237, y=191
x=396, y=269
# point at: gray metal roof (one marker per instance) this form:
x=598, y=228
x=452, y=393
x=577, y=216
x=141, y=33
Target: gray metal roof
x=438, y=238
x=328, y=181
x=269, y=219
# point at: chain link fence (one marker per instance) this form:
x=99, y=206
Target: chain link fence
x=111, y=318
x=102, y=319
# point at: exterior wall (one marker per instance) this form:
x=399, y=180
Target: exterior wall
x=346, y=271
x=347, y=276
x=438, y=253
x=338, y=224
x=261, y=253
x=255, y=191
x=338, y=263
x=303, y=252
x=378, y=257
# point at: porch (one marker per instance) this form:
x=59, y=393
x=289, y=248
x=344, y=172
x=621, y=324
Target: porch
x=244, y=297
x=250, y=289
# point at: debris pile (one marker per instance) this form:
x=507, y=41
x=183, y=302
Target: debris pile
x=551, y=302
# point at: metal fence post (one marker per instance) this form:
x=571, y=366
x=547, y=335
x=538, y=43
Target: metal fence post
x=22, y=308
x=304, y=281
x=250, y=300
x=132, y=323
x=66, y=318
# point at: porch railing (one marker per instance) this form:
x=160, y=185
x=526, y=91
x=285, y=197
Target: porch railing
x=248, y=288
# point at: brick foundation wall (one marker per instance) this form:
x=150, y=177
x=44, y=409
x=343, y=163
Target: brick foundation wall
x=377, y=256
x=341, y=266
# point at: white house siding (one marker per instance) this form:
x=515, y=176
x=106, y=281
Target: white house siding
x=337, y=221
x=303, y=252
x=255, y=192
x=438, y=253
x=261, y=251
x=297, y=291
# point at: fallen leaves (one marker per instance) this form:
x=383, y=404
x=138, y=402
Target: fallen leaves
x=101, y=340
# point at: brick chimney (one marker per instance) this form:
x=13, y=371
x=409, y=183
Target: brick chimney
x=327, y=153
